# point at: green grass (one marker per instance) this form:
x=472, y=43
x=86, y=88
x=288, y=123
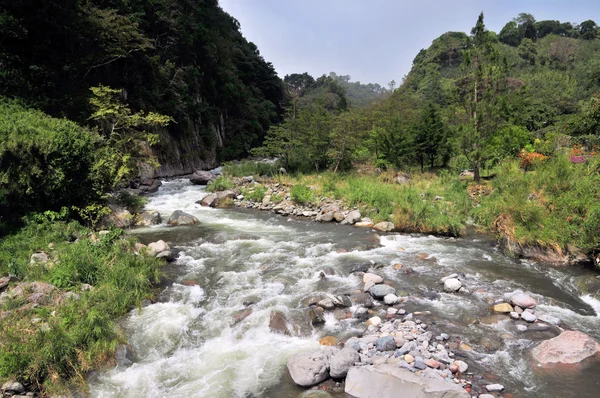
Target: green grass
x=301, y=194
x=80, y=335
x=221, y=183
x=556, y=205
x=255, y=194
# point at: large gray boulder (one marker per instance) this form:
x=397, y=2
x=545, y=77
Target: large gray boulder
x=308, y=369
x=568, y=347
x=352, y=218
x=179, y=218
x=387, y=381
x=342, y=361
x=384, y=226
x=157, y=247
x=202, y=177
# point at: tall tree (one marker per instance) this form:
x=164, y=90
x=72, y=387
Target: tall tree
x=431, y=137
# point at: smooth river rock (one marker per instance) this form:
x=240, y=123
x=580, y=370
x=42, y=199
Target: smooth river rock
x=523, y=300
x=384, y=226
x=369, y=277
x=452, y=285
x=308, y=369
x=387, y=381
x=202, y=177
x=380, y=291
x=148, y=218
x=179, y=218
x=568, y=347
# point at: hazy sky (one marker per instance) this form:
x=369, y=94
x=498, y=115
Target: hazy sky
x=375, y=41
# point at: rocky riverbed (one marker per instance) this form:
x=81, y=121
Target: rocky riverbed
x=290, y=308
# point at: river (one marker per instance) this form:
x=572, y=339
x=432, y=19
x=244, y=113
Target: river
x=185, y=344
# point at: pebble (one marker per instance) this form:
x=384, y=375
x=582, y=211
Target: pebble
x=420, y=365
x=409, y=358
x=528, y=316
x=514, y=315
x=375, y=321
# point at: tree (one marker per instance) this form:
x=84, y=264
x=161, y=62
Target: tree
x=126, y=133
x=480, y=88
x=510, y=34
x=431, y=136
x=528, y=51
x=526, y=24
x=588, y=30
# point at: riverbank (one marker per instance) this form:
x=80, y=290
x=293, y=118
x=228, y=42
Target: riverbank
x=550, y=214
x=62, y=287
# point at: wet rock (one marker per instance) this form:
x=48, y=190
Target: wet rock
x=315, y=394
x=362, y=299
x=148, y=218
x=342, y=361
x=376, y=279
x=368, y=285
x=339, y=314
x=209, y=200
x=359, y=268
x=315, y=316
x=240, y=315
x=352, y=218
x=452, y=276
x=202, y=177
x=39, y=258
x=328, y=341
x=157, y=247
x=528, y=316
x=568, y=347
x=503, y=308
x=384, y=226
x=385, y=380
x=179, y=218
x=494, y=387
x=522, y=328
x=121, y=356
x=364, y=223
x=522, y=300
x=166, y=255
x=12, y=387
x=391, y=299
x=361, y=313
x=278, y=323
x=326, y=303
x=452, y=285
x=386, y=343
x=308, y=369
x=380, y=291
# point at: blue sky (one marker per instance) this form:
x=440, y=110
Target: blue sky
x=375, y=41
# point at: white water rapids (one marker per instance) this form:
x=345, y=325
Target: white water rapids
x=185, y=344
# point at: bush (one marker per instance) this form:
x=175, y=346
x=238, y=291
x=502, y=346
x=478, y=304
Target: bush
x=71, y=339
x=221, y=183
x=45, y=163
x=301, y=194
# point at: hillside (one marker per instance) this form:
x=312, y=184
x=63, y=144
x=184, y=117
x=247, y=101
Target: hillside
x=184, y=59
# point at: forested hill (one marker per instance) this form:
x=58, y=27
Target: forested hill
x=185, y=59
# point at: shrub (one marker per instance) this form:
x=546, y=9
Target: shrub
x=221, y=183
x=256, y=195
x=301, y=194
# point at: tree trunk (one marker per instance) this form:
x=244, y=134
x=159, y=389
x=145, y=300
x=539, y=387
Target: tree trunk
x=476, y=172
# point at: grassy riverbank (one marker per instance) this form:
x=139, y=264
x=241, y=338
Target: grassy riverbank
x=553, y=206
x=54, y=330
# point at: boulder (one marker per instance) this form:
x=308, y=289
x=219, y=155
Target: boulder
x=380, y=291
x=352, y=218
x=38, y=258
x=157, y=247
x=452, y=285
x=364, y=223
x=568, y=347
x=179, y=218
x=278, y=323
x=386, y=381
x=362, y=299
x=327, y=217
x=338, y=216
x=315, y=316
x=202, y=177
x=12, y=387
x=167, y=255
x=342, y=361
x=240, y=315
x=528, y=316
x=308, y=369
x=148, y=218
x=209, y=200
x=386, y=343
x=384, y=226
x=120, y=217
x=523, y=300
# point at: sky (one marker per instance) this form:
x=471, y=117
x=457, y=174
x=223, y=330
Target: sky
x=375, y=41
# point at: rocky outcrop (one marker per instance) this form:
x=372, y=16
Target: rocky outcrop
x=179, y=218
x=566, y=348
x=387, y=381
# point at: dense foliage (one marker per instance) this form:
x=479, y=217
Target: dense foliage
x=185, y=59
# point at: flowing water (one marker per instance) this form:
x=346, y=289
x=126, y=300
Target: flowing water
x=186, y=345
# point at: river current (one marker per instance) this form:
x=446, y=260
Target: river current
x=186, y=345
